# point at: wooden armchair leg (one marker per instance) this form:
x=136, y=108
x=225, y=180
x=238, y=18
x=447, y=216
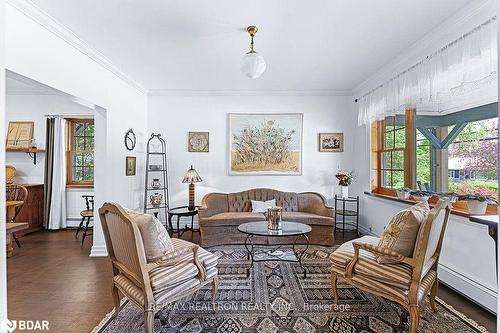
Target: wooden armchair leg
x=414, y=318
x=149, y=321
x=215, y=287
x=432, y=296
x=334, y=287
x=116, y=301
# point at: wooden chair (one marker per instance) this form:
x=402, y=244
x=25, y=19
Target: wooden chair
x=138, y=280
x=16, y=193
x=88, y=213
x=407, y=281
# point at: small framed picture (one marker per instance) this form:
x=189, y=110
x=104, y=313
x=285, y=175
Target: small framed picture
x=198, y=142
x=331, y=142
x=130, y=165
x=19, y=135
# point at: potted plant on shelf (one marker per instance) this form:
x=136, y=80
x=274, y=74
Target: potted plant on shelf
x=345, y=179
x=419, y=195
x=403, y=193
x=477, y=203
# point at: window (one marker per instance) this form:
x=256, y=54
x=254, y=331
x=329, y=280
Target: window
x=424, y=158
x=391, y=144
x=393, y=151
x=474, y=155
x=440, y=152
x=80, y=152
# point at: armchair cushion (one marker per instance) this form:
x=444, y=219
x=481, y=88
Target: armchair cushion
x=129, y=289
x=178, y=266
x=169, y=276
x=401, y=232
x=342, y=256
x=155, y=237
x=396, y=275
x=161, y=296
x=207, y=259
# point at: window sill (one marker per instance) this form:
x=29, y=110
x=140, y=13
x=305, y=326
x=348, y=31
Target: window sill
x=87, y=186
x=491, y=210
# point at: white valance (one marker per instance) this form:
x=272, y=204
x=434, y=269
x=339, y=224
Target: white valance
x=461, y=74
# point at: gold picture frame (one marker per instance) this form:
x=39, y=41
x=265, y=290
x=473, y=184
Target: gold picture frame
x=19, y=135
x=130, y=165
x=331, y=142
x=198, y=142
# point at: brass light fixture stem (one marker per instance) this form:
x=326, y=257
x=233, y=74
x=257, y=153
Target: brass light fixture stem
x=252, y=30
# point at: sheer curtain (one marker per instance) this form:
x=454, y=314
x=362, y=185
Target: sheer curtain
x=56, y=175
x=465, y=72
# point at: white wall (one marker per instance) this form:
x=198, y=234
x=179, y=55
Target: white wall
x=25, y=107
x=175, y=116
x=34, y=107
x=468, y=252
x=44, y=51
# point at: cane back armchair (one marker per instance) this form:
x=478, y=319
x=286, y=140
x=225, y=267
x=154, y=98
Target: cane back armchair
x=151, y=286
x=406, y=280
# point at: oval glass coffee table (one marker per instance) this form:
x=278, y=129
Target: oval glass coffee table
x=259, y=229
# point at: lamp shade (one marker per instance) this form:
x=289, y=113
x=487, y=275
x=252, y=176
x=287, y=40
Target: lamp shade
x=192, y=176
x=253, y=65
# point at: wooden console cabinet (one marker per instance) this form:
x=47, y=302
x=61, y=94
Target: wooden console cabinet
x=32, y=211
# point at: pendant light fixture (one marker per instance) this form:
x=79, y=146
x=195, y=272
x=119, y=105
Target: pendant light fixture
x=253, y=64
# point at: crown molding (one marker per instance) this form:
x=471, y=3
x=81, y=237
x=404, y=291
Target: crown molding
x=466, y=19
x=31, y=93
x=33, y=12
x=188, y=92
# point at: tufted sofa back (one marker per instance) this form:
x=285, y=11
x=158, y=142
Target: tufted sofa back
x=240, y=201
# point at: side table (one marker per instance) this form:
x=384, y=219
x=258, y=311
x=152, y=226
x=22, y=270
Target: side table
x=346, y=207
x=180, y=212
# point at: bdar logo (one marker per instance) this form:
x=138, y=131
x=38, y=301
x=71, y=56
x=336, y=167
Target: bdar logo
x=9, y=325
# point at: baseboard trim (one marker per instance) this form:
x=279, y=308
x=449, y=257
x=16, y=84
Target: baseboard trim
x=74, y=222
x=365, y=231
x=98, y=251
x=468, y=288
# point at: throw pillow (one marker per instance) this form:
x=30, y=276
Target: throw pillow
x=262, y=206
x=401, y=232
x=154, y=235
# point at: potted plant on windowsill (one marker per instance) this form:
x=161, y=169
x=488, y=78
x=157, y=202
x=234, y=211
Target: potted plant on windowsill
x=476, y=203
x=403, y=193
x=419, y=195
x=450, y=197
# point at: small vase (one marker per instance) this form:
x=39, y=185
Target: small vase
x=156, y=183
x=345, y=192
x=155, y=199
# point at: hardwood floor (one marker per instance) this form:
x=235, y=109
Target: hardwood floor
x=52, y=278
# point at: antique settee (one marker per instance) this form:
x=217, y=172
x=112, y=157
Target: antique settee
x=220, y=214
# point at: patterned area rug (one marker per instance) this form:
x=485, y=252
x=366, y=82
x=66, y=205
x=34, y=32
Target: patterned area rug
x=276, y=298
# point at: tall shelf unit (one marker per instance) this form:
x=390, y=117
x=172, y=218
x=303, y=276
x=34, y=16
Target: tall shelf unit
x=156, y=168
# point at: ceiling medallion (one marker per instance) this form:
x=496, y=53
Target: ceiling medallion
x=253, y=64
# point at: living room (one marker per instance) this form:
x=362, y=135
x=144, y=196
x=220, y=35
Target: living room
x=226, y=120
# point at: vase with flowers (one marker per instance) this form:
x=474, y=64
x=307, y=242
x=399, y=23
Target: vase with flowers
x=345, y=179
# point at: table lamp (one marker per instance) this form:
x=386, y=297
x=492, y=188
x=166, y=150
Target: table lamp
x=191, y=177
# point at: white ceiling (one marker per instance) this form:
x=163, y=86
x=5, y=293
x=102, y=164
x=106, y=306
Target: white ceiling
x=198, y=45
